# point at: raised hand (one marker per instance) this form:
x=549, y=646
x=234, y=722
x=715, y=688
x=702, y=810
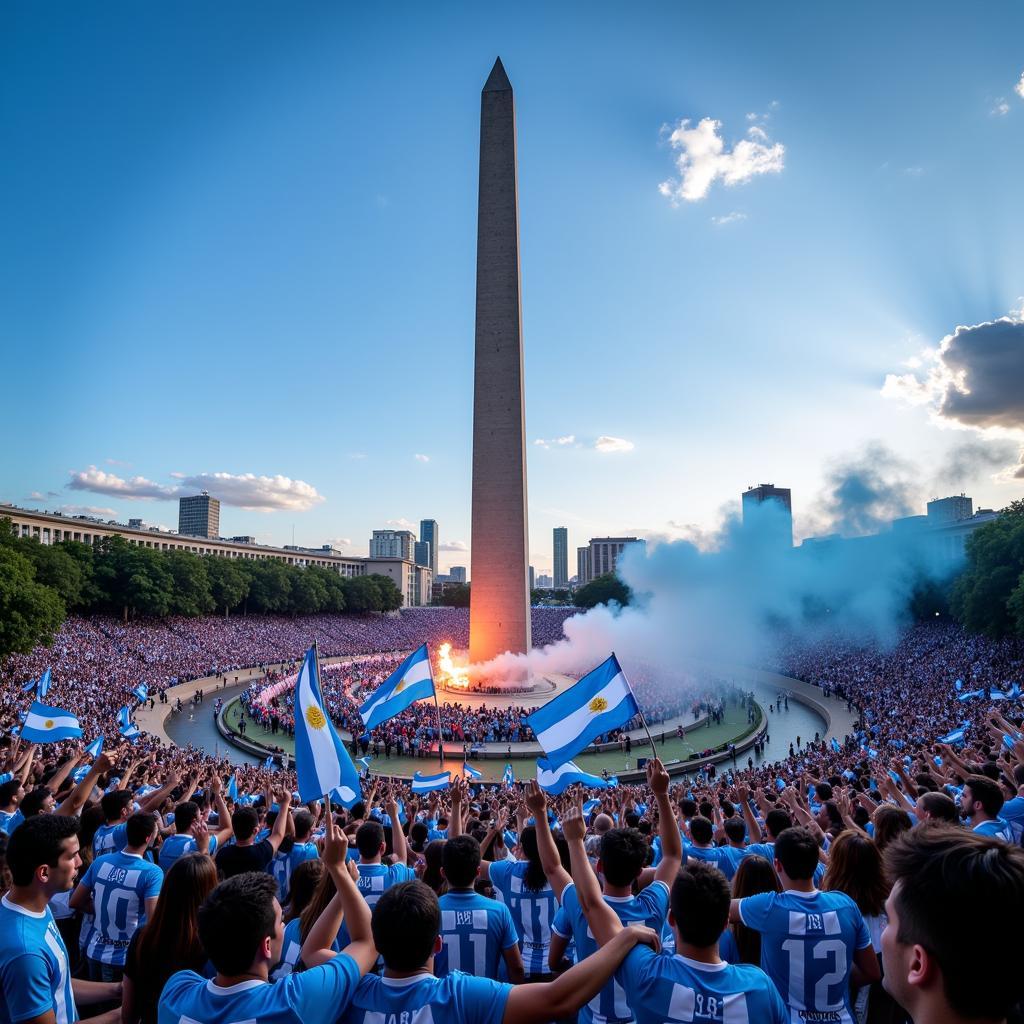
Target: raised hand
x=657, y=777
x=573, y=825
x=536, y=799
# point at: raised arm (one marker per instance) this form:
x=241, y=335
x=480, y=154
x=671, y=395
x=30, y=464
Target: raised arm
x=224, y=826
x=668, y=827
x=156, y=798
x=455, y=818
x=537, y=802
x=398, y=841
x=281, y=821
x=603, y=921
x=347, y=904
x=753, y=829
x=75, y=800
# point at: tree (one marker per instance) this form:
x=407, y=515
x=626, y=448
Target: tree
x=988, y=597
x=309, y=594
x=57, y=569
x=602, y=590
x=149, y=590
x=363, y=595
x=334, y=585
x=191, y=594
x=455, y=595
x=391, y=598
x=30, y=613
x=271, y=586
x=229, y=585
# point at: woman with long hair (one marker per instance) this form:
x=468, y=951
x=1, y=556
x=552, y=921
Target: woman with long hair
x=524, y=888
x=889, y=823
x=302, y=885
x=855, y=868
x=433, y=853
x=740, y=944
x=170, y=941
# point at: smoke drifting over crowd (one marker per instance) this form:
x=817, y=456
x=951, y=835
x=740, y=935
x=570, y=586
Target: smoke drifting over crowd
x=727, y=605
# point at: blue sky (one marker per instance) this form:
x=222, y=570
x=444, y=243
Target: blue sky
x=240, y=239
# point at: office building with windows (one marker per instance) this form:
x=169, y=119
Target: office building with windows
x=754, y=497
x=560, y=571
x=199, y=516
x=393, y=544
x=428, y=535
x=605, y=552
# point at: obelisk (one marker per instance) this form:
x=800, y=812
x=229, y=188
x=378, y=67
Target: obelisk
x=499, y=609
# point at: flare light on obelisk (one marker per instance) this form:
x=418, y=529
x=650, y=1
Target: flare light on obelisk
x=499, y=610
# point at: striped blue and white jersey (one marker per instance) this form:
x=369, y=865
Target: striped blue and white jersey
x=283, y=864
x=533, y=911
x=120, y=884
x=34, y=974
x=109, y=839
x=476, y=932
x=178, y=845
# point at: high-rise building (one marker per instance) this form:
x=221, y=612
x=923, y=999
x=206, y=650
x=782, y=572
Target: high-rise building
x=544, y=582
x=457, y=574
x=428, y=533
x=199, y=516
x=604, y=554
x=949, y=510
x=561, y=551
x=582, y=566
x=393, y=544
x=499, y=609
x=532, y=578
x=422, y=552
x=754, y=497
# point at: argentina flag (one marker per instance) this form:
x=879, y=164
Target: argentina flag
x=140, y=692
x=44, y=724
x=428, y=783
x=321, y=760
x=956, y=736
x=410, y=682
x=95, y=748
x=470, y=772
x=508, y=777
x=599, y=702
x=556, y=780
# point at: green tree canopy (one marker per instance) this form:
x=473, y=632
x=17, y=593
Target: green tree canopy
x=229, y=585
x=30, y=612
x=602, y=590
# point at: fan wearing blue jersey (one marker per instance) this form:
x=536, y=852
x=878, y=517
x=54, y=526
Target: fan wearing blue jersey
x=980, y=804
x=524, y=888
x=35, y=981
x=812, y=943
x=478, y=932
x=406, y=930
x=621, y=860
x=375, y=878
x=120, y=890
x=294, y=850
x=241, y=930
x=951, y=947
x=118, y=805
x=693, y=983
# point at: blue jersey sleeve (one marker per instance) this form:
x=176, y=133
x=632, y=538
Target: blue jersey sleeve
x=863, y=935
x=509, y=935
x=655, y=899
x=479, y=1000
x=634, y=972
x=89, y=879
x=26, y=986
x=560, y=925
x=152, y=883
x=331, y=985
x=500, y=872
x=755, y=911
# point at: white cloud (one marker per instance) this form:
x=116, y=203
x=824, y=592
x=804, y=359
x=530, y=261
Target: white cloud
x=400, y=524
x=555, y=442
x=245, y=490
x=421, y=458
x=1019, y=87
x=135, y=488
x=340, y=542
x=117, y=462
x=729, y=218
x=453, y=545
x=913, y=172
x=1001, y=109
x=608, y=444
x=357, y=455
x=703, y=159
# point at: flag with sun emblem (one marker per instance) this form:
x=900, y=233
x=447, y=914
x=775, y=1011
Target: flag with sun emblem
x=569, y=723
x=410, y=682
x=44, y=724
x=321, y=760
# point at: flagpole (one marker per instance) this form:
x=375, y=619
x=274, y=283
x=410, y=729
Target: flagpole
x=437, y=707
x=643, y=720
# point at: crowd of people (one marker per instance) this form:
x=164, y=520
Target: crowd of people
x=879, y=877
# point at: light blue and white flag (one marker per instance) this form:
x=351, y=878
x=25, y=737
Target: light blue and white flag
x=232, y=789
x=967, y=695
x=508, y=777
x=589, y=806
x=556, y=780
x=956, y=736
x=80, y=773
x=959, y=684
x=141, y=692
x=599, y=702
x=364, y=763
x=268, y=765
x=44, y=724
x=41, y=686
x=835, y=745
x=470, y=772
x=410, y=682
x=428, y=783
x=95, y=748
x=321, y=760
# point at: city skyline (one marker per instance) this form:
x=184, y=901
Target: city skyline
x=694, y=200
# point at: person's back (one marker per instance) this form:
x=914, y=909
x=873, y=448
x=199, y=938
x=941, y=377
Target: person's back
x=522, y=886
x=810, y=940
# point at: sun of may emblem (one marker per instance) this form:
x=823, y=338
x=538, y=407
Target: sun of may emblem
x=315, y=717
x=48, y=724
x=597, y=705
